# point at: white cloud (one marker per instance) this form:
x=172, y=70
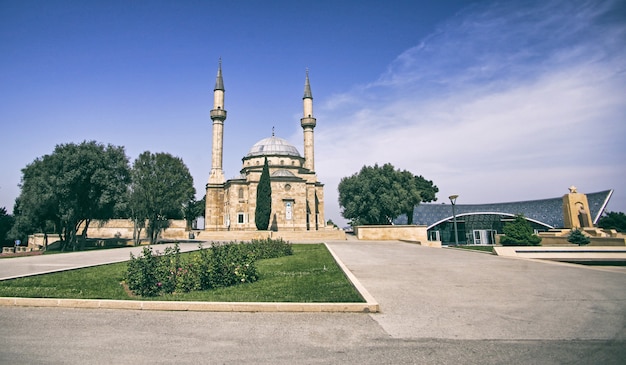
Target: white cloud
x=497, y=105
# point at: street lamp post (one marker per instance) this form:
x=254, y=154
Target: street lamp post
x=456, y=232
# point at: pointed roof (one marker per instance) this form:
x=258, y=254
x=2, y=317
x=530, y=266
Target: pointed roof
x=219, y=82
x=307, y=87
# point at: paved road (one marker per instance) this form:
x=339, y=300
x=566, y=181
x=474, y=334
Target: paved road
x=439, y=306
x=42, y=264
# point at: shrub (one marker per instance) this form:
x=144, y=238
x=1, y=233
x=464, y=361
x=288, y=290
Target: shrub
x=142, y=277
x=519, y=233
x=152, y=273
x=578, y=238
x=269, y=248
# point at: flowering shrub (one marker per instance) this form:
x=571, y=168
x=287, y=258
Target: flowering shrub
x=142, y=276
x=153, y=273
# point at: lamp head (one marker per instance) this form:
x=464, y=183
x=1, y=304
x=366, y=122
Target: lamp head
x=453, y=198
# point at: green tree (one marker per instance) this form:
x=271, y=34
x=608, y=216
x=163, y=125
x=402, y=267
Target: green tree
x=6, y=222
x=417, y=190
x=263, y=211
x=72, y=186
x=160, y=187
x=377, y=195
x=613, y=220
x=578, y=238
x=193, y=209
x=519, y=233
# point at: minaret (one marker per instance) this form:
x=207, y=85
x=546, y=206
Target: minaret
x=308, y=123
x=214, y=210
x=218, y=115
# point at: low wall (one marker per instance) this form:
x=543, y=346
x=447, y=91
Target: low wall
x=291, y=236
x=568, y=254
x=37, y=241
x=123, y=228
x=595, y=241
x=388, y=233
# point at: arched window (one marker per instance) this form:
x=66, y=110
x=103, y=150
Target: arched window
x=240, y=192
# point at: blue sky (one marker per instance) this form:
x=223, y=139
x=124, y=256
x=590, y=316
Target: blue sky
x=492, y=100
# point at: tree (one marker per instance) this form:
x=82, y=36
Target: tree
x=72, y=186
x=519, y=233
x=6, y=222
x=613, y=220
x=263, y=211
x=193, y=209
x=160, y=187
x=420, y=189
x=578, y=238
x=377, y=195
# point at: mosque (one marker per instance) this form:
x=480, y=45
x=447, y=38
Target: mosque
x=297, y=195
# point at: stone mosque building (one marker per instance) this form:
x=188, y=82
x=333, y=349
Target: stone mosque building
x=297, y=195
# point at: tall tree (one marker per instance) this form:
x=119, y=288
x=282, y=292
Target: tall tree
x=193, y=209
x=72, y=186
x=263, y=211
x=377, y=195
x=6, y=222
x=161, y=185
x=613, y=220
x=416, y=189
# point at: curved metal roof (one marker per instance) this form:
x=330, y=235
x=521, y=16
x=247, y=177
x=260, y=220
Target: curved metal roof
x=548, y=212
x=273, y=146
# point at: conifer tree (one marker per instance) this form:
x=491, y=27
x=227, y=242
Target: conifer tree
x=578, y=238
x=519, y=233
x=263, y=209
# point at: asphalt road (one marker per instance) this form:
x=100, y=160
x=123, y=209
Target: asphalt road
x=438, y=306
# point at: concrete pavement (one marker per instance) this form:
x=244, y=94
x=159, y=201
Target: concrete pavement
x=32, y=265
x=437, y=306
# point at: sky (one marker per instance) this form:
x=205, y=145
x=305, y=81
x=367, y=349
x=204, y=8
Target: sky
x=496, y=101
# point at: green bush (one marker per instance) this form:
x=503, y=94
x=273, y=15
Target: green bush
x=153, y=274
x=269, y=248
x=143, y=273
x=578, y=238
x=519, y=233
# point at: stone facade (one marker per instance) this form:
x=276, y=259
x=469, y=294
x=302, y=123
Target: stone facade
x=297, y=195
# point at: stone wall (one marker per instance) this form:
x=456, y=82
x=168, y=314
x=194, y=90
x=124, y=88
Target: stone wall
x=290, y=236
x=123, y=228
x=413, y=233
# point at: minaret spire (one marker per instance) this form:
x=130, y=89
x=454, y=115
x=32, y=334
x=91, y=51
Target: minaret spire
x=218, y=115
x=219, y=82
x=308, y=124
x=307, y=86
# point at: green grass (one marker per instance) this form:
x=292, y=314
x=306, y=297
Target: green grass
x=476, y=248
x=309, y=275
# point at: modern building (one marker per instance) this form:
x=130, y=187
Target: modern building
x=480, y=223
x=297, y=195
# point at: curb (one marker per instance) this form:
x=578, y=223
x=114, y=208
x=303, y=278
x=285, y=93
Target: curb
x=189, y=306
x=370, y=305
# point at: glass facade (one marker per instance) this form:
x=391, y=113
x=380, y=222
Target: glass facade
x=477, y=229
x=479, y=223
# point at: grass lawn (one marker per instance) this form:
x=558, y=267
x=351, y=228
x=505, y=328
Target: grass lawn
x=476, y=248
x=309, y=275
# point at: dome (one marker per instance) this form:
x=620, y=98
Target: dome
x=273, y=146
